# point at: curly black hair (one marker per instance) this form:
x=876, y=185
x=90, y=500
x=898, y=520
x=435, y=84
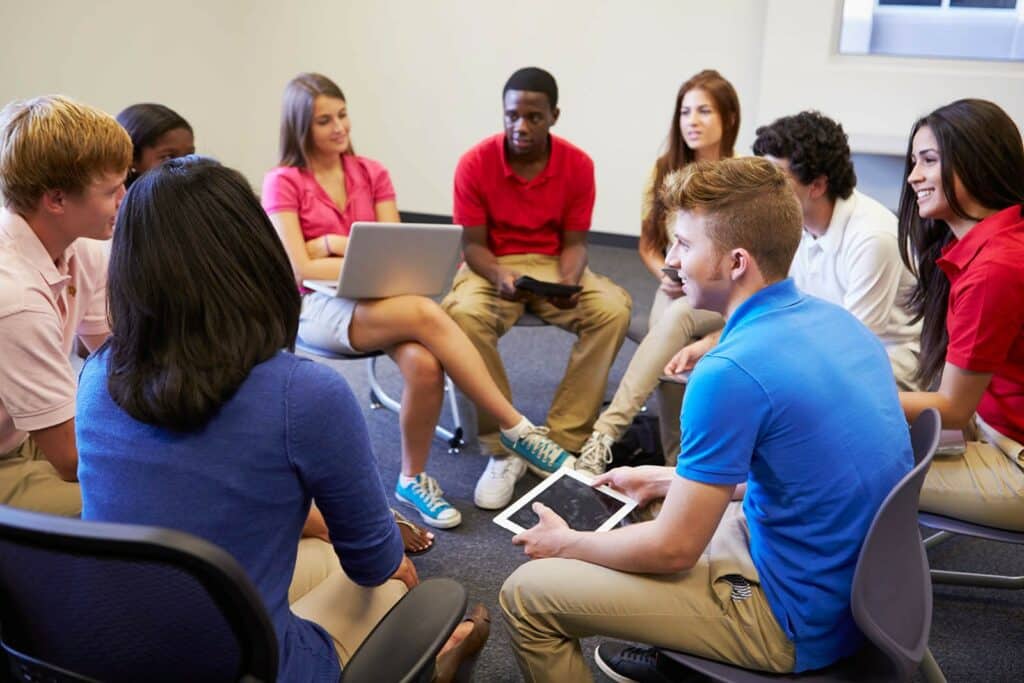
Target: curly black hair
x=815, y=145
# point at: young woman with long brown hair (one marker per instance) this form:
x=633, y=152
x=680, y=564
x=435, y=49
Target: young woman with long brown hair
x=705, y=122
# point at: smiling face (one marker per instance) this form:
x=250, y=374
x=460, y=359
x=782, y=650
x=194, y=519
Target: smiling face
x=925, y=176
x=701, y=265
x=330, y=126
x=177, y=142
x=700, y=124
x=91, y=213
x=528, y=118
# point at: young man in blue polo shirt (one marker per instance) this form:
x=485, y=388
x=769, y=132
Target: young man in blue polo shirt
x=794, y=412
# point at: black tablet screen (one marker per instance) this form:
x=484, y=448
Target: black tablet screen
x=583, y=507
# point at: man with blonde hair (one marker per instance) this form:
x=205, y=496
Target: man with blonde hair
x=765, y=583
x=62, y=171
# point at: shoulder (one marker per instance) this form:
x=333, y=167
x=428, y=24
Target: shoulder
x=371, y=168
x=308, y=381
x=869, y=217
x=283, y=175
x=92, y=255
x=487, y=150
x=573, y=154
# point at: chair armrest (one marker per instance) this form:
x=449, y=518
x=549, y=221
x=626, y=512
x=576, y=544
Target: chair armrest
x=404, y=644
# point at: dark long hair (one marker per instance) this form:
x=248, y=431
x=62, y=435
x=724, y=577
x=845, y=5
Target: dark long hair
x=297, y=115
x=145, y=123
x=981, y=146
x=679, y=154
x=200, y=291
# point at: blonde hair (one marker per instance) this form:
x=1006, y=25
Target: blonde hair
x=748, y=203
x=54, y=143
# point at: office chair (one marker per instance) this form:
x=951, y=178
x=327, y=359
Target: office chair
x=89, y=601
x=454, y=437
x=891, y=597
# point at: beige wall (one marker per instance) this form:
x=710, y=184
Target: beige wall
x=423, y=79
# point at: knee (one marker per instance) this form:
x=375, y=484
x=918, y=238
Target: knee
x=420, y=367
x=612, y=312
x=475, y=321
x=523, y=588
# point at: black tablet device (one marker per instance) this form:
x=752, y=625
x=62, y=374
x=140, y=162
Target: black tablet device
x=551, y=290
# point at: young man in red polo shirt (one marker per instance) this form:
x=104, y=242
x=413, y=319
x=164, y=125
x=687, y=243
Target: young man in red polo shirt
x=525, y=198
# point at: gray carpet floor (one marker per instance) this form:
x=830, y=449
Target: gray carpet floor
x=977, y=635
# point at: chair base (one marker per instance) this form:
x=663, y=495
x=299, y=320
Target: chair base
x=950, y=527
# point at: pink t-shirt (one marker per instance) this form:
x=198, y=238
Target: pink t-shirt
x=289, y=188
x=42, y=306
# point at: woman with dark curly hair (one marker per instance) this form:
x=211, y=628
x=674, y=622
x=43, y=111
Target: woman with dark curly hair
x=962, y=230
x=704, y=126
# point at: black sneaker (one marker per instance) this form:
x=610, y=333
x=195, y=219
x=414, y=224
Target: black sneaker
x=631, y=664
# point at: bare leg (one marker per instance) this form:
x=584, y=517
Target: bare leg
x=422, y=398
x=383, y=323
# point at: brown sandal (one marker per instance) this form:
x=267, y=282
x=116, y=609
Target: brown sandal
x=415, y=539
x=456, y=664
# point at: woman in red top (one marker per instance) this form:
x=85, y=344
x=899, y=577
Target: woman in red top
x=962, y=232
x=318, y=190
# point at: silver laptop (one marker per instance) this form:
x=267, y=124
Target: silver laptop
x=391, y=259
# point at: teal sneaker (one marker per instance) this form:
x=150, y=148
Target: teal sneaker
x=542, y=455
x=425, y=495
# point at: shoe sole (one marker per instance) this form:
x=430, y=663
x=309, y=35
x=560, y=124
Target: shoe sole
x=427, y=519
x=607, y=670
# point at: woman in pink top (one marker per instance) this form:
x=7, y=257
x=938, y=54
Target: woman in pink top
x=318, y=190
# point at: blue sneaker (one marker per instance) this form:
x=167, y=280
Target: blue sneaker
x=426, y=496
x=543, y=456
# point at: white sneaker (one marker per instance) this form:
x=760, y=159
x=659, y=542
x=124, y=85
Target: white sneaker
x=495, y=486
x=596, y=454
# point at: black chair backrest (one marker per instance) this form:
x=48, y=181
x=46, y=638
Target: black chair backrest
x=892, y=589
x=116, y=602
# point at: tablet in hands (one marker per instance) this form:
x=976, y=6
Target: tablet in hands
x=572, y=497
x=549, y=290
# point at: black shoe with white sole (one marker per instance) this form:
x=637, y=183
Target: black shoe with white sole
x=625, y=663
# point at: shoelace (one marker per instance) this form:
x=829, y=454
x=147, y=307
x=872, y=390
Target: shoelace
x=428, y=490
x=499, y=466
x=594, y=453
x=536, y=439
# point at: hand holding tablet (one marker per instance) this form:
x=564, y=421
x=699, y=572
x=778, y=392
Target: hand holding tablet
x=548, y=290
x=571, y=496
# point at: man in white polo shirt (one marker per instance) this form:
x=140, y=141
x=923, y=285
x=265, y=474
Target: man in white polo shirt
x=62, y=171
x=848, y=253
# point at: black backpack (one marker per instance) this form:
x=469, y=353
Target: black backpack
x=640, y=445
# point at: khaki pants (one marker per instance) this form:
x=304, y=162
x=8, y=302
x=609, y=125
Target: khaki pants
x=599, y=321
x=28, y=481
x=550, y=604
x=985, y=485
x=674, y=323
x=321, y=593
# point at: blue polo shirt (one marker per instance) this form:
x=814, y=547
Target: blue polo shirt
x=798, y=400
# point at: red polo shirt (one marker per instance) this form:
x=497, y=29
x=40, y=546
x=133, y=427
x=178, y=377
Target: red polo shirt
x=985, y=318
x=524, y=216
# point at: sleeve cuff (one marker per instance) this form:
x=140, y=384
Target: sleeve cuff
x=44, y=420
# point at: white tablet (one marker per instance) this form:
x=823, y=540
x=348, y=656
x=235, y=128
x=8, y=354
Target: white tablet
x=571, y=496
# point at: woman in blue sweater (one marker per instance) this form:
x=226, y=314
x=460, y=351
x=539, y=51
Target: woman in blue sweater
x=193, y=417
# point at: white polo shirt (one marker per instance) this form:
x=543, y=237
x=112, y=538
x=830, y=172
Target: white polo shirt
x=856, y=264
x=42, y=306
